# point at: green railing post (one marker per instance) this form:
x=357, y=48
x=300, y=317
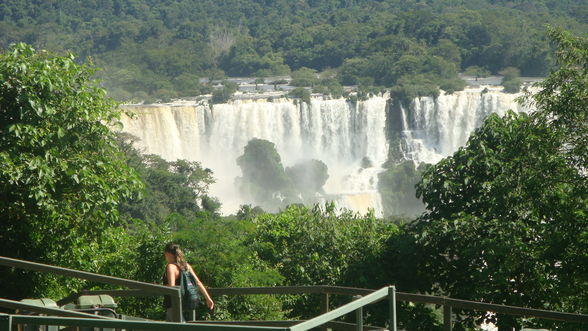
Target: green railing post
x=5, y=322
x=358, y=316
x=176, y=302
x=392, y=308
x=447, y=317
x=324, y=307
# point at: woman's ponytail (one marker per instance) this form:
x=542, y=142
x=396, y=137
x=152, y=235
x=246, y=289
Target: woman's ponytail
x=176, y=251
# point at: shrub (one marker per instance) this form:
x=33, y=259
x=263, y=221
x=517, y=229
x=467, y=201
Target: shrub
x=300, y=93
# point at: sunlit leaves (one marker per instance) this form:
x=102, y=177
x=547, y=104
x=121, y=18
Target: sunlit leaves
x=506, y=214
x=61, y=174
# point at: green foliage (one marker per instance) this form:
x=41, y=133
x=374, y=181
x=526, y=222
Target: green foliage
x=352, y=70
x=264, y=177
x=61, y=174
x=188, y=84
x=510, y=73
x=259, y=81
x=242, y=59
x=308, y=177
x=304, y=77
x=329, y=86
x=563, y=96
x=270, y=185
x=397, y=188
x=248, y=212
x=170, y=187
x=448, y=50
x=218, y=251
x=300, y=93
x=224, y=93
x=476, y=71
x=318, y=246
x=452, y=85
x=412, y=87
x=511, y=79
x=512, y=86
x=145, y=46
x=136, y=254
x=506, y=215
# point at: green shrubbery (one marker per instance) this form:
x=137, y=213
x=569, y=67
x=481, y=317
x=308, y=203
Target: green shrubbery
x=511, y=80
x=300, y=93
x=397, y=188
x=224, y=93
x=268, y=184
x=476, y=71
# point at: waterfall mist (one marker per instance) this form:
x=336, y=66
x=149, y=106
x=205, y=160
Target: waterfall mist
x=350, y=138
x=336, y=132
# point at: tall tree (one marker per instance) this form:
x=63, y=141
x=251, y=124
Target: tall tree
x=507, y=216
x=61, y=174
x=264, y=178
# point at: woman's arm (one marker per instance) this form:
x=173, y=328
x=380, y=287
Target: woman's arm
x=202, y=289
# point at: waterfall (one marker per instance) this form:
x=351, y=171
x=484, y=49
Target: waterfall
x=339, y=133
x=436, y=128
x=336, y=132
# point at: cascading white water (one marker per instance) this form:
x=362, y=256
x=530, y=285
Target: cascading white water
x=436, y=128
x=334, y=131
x=170, y=131
x=337, y=132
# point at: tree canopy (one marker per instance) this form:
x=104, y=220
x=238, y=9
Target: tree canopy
x=507, y=216
x=161, y=49
x=61, y=173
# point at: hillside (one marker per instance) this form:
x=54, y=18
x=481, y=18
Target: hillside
x=163, y=48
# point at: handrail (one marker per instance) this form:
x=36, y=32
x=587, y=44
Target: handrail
x=448, y=303
x=5, y=303
x=497, y=308
x=145, y=289
x=174, y=293
x=305, y=289
x=343, y=310
x=7, y=321
x=112, y=293
x=337, y=325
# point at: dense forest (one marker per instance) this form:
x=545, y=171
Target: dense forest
x=161, y=49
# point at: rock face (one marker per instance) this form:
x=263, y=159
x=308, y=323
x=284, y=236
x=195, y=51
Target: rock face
x=352, y=139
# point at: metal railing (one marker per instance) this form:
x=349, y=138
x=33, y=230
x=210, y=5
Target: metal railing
x=153, y=289
x=327, y=318
x=8, y=322
x=17, y=305
x=72, y=318
x=447, y=303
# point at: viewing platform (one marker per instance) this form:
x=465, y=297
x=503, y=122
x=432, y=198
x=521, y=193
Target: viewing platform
x=97, y=309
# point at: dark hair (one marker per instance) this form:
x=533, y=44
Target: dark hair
x=175, y=250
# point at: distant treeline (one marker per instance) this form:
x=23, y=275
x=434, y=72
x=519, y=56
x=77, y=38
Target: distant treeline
x=161, y=49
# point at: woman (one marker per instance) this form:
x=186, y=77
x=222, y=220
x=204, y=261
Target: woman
x=175, y=263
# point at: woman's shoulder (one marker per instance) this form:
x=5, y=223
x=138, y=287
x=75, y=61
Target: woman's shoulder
x=172, y=266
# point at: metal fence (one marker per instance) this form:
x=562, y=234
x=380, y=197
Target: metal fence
x=71, y=318
x=447, y=303
x=146, y=288
x=363, y=297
